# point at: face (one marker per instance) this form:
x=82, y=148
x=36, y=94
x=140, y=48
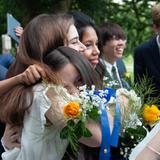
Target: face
x=73, y=40
x=113, y=49
x=70, y=78
x=90, y=40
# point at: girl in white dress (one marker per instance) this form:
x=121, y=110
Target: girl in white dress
x=36, y=38
x=40, y=136
x=44, y=40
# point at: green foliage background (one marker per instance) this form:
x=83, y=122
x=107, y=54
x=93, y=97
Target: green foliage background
x=133, y=15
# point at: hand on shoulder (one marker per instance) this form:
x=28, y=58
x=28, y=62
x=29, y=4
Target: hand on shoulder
x=31, y=75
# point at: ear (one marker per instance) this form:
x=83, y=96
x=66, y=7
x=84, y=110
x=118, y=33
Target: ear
x=156, y=28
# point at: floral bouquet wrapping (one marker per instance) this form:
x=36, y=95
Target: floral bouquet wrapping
x=73, y=112
x=139, y=115
x=133, y=130
x=80, y=109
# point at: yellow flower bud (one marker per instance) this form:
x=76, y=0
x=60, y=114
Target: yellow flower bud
x=151, y=113
x=71, y=110
x=127, y=75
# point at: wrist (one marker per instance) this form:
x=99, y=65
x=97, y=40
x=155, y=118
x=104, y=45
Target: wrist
x=18, y=79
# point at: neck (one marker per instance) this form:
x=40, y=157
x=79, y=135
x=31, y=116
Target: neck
x=109, y=60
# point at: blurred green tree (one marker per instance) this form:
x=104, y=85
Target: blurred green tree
x=133, y=15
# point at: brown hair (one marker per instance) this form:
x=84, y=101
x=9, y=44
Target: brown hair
x=82, y=21
x=58, y=58
x=43, y=34
x=109, y=31
x=156, y=14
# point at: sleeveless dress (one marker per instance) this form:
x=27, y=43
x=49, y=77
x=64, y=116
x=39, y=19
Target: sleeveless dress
x=38, y=141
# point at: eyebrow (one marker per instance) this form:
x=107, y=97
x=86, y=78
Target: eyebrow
x=75, y=38
x=89, y=41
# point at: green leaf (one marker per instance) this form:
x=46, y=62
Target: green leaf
x=93, y=114
x=86, y=133
x=64, y=133
x=70, y=123
x=79, y=129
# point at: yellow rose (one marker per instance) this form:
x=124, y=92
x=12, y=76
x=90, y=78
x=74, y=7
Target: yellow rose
x=151, y=113
x=127, y=75
x=72, y=110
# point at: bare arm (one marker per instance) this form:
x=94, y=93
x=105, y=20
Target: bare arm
x=55, y=119
x=151, y=150
x=95, y=129
x=31, y=75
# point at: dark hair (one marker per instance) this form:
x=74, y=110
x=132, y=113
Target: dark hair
x=109, y=31
x=58, y=58
x=43, y=34
x=82, y=21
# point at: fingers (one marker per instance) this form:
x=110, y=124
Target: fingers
x=19, y=31
x=41, y=71
x=32, y=74
x=10, y=130
x=11, y=137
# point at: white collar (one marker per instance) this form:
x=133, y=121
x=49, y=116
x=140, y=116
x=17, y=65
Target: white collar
x=108, y=65
x=158, y=41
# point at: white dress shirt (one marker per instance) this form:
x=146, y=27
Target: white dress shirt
x=108, y=67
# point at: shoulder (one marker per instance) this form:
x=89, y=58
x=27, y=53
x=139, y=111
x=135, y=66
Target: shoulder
x=40, y=97
x=147, y=45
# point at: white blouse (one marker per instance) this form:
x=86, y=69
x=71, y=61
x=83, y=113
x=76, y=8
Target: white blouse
x=38, y=142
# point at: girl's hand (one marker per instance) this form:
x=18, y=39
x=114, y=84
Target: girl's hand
x=11, y=137
x=31, y=75
x=19, y=31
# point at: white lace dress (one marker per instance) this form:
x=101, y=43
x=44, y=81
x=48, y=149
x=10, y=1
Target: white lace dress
x=38, y=142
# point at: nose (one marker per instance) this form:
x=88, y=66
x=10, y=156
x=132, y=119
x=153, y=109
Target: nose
x=82, y=47
x=96, y=50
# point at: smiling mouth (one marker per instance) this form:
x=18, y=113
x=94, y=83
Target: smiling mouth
x=120, y=49
x=94, y=61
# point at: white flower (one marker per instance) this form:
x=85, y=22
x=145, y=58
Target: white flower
x=91, y=92
x=84, y=87
x=99, y=112
x=93, y=87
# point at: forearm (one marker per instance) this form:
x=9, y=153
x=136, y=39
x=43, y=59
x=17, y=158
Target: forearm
x=30, y=76
x=152, y=149
x=95, y=139
x=7, y=84
x=147, y=154
x=95, y=129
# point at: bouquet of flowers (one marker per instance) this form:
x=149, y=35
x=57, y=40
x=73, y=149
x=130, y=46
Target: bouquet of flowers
x=133, y=130
x=136, y=115
x=108, y=83
x=79, y=110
